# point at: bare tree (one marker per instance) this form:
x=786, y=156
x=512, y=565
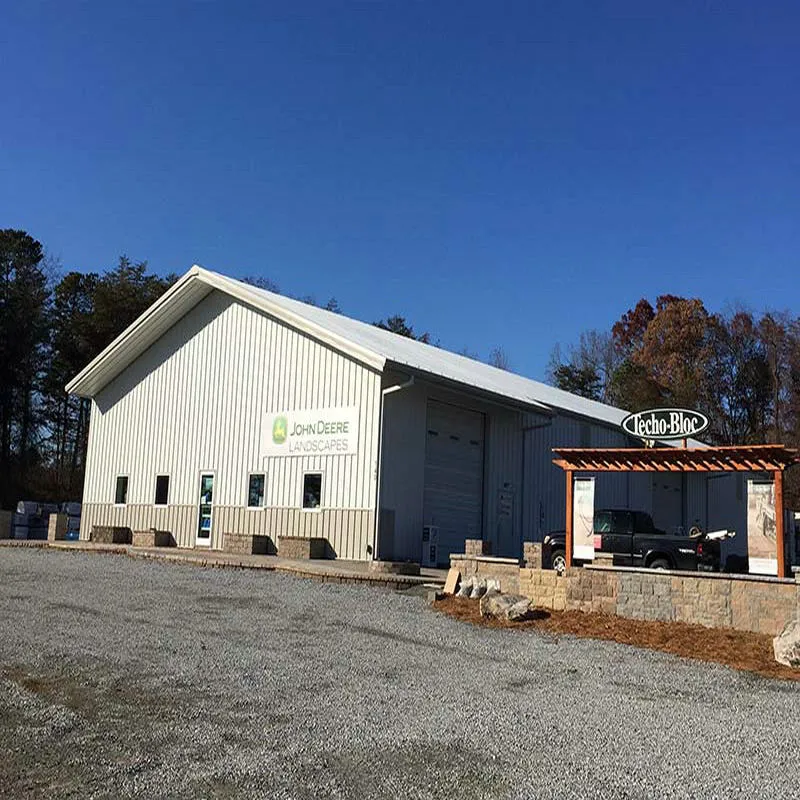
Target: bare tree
x=499, y=358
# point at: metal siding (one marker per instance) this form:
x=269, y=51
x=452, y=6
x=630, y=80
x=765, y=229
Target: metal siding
x=403, y=464
x=545, y=489
x=504, y=476
x=196, y=401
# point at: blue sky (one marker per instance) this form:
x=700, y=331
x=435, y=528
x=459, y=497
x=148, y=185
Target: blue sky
x=501, y=173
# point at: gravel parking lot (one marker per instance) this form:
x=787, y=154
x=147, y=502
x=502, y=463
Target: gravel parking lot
x=121, y=677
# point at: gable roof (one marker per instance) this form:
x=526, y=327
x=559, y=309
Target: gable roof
x=366, y=343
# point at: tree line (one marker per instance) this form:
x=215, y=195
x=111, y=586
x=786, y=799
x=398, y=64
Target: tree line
x=52, y=324
x=741, y=369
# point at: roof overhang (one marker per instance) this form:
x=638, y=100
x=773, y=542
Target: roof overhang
x=749, y=458
x=175, y=303
x=495, y=398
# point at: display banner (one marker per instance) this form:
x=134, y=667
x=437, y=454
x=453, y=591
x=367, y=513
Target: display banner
x=761, y=528
x=583, y=519
x=315, y=432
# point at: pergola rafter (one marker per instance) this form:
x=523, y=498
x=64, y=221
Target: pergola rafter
x=774, y=458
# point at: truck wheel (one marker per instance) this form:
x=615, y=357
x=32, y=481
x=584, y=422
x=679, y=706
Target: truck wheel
x=659, y=563
x=558, y=561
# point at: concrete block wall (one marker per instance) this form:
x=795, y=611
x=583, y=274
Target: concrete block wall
x=746, y=603
x=57, y=527
x=247, y=544
x=300, y=547
x=504, y=570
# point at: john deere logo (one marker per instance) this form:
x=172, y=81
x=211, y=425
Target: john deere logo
x=279, y=430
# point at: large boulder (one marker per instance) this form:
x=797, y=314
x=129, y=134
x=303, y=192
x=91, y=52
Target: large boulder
x=512, y=607
x=786, y=646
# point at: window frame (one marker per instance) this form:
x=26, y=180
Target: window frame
x=127, y=488
x=156, y=504
x=250, y=476
x=303, y=506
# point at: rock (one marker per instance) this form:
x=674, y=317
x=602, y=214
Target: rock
x=786, y=645
x=512, y=607
x=492, y=585
x=478, y=589
x=519, y=611
x=466, y=587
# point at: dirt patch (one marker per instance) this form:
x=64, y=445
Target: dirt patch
x=751, y=652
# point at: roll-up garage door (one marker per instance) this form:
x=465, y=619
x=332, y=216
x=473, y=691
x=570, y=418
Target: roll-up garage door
x=453, y=499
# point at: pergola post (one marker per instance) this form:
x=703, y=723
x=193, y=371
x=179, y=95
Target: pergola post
x=779, y=532
x=568, y=554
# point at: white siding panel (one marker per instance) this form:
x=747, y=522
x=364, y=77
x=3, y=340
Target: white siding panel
x=197, y=399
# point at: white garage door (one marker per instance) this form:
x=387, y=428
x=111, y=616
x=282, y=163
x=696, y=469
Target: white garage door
x=453, y=499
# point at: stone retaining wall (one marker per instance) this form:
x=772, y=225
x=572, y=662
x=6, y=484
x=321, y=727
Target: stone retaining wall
x=504, y=570
x=744, y=602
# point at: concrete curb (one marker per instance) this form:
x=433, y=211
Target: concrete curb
x=326, y=574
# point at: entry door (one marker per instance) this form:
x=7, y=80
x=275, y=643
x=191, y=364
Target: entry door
x=205, y=509
x=453, y=498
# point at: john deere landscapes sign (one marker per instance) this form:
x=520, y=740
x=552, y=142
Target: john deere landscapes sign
x=316, y=432
x=665, y=423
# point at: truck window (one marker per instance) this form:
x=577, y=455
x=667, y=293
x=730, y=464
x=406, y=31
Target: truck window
x=623, y=522
x=602, y=522
x=644, y=522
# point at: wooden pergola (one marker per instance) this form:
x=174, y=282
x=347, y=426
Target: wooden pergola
x=774, y=458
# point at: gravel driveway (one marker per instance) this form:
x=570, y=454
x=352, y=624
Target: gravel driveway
x=123, y=678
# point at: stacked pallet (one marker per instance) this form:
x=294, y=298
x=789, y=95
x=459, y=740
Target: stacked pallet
x=32, y=519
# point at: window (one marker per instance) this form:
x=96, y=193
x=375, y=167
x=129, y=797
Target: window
x=121, y=492
x=255, y=490
x=162, y=490
x=312, y=490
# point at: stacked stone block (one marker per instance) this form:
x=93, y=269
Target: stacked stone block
x=57, y=527
x=247, y=544
x=477, y=547
x=110, y=534
x=303, y=548
x=504, y=570
x=532, y=555
x=153, y=538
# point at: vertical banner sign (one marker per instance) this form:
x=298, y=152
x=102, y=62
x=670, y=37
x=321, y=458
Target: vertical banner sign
x=761, y=528
x=583, y=519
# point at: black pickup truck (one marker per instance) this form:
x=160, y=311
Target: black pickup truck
x=635, y=541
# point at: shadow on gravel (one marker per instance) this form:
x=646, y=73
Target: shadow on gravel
x=435, y=770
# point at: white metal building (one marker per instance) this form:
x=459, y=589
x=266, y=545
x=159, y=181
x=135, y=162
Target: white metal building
x=225, y=407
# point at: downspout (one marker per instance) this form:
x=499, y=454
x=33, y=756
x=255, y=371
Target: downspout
x=384, y=392
x=525, y=430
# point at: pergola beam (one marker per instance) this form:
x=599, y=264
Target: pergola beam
x=774, y=458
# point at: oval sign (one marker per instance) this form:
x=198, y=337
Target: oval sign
x=665, y=423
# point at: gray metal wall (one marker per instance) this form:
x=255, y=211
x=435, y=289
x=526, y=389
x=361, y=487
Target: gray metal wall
x=545, y=496
x=403, y=468
x=196, y=400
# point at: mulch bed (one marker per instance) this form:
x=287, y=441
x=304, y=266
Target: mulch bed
x=751, y=652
